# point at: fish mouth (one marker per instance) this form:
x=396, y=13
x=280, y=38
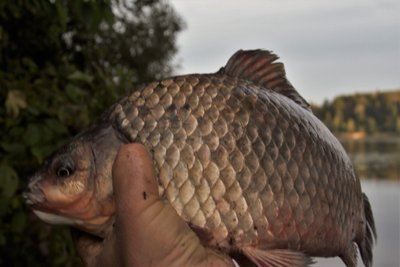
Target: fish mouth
x=33, y=198
x=34, y=195
x=36, y=200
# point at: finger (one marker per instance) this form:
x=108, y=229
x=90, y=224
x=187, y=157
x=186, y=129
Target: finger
x=144, y=227
x=134, y=181
x=136, y=202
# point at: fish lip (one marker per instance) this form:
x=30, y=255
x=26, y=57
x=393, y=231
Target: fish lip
x=34, y=195
x=33, y=198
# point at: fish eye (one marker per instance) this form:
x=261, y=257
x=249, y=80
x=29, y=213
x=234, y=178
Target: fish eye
x=64, y=172
x=65, y=169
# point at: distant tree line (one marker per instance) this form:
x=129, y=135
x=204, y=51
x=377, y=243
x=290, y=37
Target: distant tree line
x=370, y=113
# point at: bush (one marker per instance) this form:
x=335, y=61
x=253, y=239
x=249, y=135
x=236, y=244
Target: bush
x=61, y=64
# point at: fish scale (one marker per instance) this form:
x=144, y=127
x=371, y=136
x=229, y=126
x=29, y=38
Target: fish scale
x=242, y=159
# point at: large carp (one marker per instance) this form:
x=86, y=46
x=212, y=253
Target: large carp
x=239, y=155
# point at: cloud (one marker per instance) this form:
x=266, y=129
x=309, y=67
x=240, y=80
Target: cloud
x=329, y=47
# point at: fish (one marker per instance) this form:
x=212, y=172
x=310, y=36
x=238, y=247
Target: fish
x=238, y=154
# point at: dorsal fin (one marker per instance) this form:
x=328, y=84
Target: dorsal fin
x=259, y=66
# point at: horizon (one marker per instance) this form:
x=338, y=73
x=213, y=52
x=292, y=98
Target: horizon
x=329, y=48
x=366, y=92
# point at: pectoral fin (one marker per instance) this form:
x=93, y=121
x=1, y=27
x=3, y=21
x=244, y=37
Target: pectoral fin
x=277, y=257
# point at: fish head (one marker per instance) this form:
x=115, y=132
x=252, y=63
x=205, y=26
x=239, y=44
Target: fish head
x=74, y=185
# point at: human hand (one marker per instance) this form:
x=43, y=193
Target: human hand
x=147, y=232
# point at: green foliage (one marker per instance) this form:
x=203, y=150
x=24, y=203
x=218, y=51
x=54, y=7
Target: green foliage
x=370, y=113
x=62, y=63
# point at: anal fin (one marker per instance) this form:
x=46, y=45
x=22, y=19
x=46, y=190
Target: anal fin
x=349, y=257
x=277, y=257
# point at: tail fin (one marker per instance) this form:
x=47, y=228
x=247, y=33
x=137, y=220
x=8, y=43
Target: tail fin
x=368, y=238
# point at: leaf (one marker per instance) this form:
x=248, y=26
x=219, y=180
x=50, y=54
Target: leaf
x=15, y=101
x=17, y=130
x=56, y=126
x=62, y=14
x=80, y=76
x=32, y=135
x=40, y=152
x=74, y=93
x=2, y=239
x=8, y=181
x=18, y=222
x=30, y=65
x=4, y=205
x=14, y=148
x=15, y=202
x=46, y=134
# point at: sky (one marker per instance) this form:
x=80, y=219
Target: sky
x=329, y=48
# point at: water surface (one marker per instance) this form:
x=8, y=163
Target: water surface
x=375, y=157
x=384, y=196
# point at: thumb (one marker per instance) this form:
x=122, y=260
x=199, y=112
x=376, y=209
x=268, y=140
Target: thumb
x=136, y=203
x=134, y=182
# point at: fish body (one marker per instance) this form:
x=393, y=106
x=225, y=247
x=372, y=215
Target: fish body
x=240, y=157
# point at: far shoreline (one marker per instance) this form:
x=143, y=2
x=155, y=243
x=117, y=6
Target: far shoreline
x=363, y=136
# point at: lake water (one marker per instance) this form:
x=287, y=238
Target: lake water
x=378, y=164
x=375, y=158
x=384, y=196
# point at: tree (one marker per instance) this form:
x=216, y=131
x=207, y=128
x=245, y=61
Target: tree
x=370, y=112
x=61, y=64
